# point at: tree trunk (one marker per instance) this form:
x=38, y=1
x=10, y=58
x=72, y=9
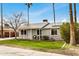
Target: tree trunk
x=75, y=13
x=28, y=14
x=72, y=29
x=15, y=34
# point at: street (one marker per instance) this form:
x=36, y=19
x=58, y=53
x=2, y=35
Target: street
x=11, y=51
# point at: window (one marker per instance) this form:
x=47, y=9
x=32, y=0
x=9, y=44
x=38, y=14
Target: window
x=21, y=32
x=24, y=32
x=37, y=32
x=54, y=32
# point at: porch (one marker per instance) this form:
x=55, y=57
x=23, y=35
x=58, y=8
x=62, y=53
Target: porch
x=7, y=33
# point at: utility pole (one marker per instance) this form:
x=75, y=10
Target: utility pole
x=1, y=20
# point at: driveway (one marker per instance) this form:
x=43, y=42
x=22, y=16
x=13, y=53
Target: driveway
x=11, y=51
x=7, y=38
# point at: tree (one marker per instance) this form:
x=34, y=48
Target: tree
x=65, y=32
x=1, y=20
x=15, y=22
x=72, y=29
x=28, y=6
x=75, y=13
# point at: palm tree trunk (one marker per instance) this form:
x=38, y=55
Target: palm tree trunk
x=54, y=12
x=28, y=6
x=72, y=29
x=1, y=20
x=28, y=13
x=75, y=13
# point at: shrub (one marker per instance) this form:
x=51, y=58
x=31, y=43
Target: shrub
x=45, y=37
x=65, y=32
x=52, y=39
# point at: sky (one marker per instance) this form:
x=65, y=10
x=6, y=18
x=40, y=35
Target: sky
x=39, y=11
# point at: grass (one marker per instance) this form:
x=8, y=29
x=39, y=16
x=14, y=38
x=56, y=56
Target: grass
x=33, y=44
x=46, y=46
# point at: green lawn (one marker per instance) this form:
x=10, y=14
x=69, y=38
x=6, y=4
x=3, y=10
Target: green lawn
x=33, y=44
x=47, y=46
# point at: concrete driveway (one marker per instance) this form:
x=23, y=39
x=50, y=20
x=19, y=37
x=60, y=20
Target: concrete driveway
x=7, y=38
x=11, y=51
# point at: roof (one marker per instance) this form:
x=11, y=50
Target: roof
x=52, y=25
x=5, y=26
x=39, y=26
x=32, y=26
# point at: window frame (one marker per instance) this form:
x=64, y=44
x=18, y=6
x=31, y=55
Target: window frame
x=37, y=31
x=23, y=32
x=54, y=32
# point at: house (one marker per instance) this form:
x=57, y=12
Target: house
x=40, y=29
x=7, y=31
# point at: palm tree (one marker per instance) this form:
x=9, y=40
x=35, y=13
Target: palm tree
x=72, y=32
x=75, y=12
x=54, y=12
x=28, y=6
x=1, y=20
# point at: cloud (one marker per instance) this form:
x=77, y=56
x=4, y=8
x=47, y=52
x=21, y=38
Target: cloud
x=78, y=20
x=37, y=13
x=35, y=16
x=64, y=20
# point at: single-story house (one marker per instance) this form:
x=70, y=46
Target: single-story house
x=40, y=29
x=7, y=31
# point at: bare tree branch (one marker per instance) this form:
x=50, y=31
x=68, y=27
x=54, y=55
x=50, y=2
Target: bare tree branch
x=16, y=21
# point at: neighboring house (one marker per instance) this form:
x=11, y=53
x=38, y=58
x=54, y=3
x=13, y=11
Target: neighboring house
x=40, y=29
x=7, y=31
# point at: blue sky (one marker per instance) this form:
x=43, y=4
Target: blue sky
x=39, y=11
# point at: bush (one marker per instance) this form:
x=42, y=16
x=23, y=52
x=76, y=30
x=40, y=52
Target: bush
x=65, y=32
x=45, y=37
x=35, y=37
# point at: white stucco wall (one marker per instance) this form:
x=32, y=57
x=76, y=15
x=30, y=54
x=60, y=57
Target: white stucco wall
x=29, y=34
x=44, y=32
x=22, y=36
x=47, y=32
x=34, y=32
